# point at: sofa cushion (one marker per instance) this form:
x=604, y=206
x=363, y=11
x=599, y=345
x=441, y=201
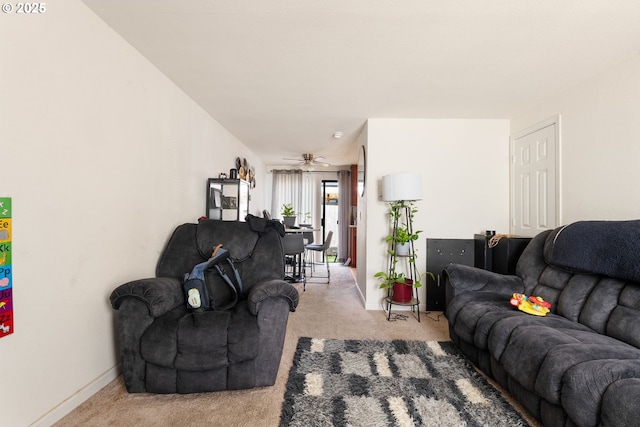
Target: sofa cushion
x=236, y=237
x=200, y=341
x=476, y=313
x=183, y=340
x=504, y=329
x=180, y=254
x=559, y=359
x=624, y=322
x=600, y=247
x=530, y=346
x=243, y=335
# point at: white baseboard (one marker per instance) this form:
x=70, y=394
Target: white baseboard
x=76, y=399
x=362, y=298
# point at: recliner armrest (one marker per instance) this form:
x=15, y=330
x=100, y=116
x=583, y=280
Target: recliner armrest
x=160, y=294
x=274, y=288
x=462, y=278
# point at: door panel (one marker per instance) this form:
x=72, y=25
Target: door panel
x=535, y=181
x=525, y=200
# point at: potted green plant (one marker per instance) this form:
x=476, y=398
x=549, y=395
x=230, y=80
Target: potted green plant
x=288, y=215
x=306, y=217
x=398, y=283
x=401, y=287
x=402, y=235
x=401, y=239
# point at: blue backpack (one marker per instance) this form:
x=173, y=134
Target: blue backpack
x=196, y=288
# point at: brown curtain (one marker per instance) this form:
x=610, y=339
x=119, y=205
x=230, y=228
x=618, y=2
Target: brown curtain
x=344, y=213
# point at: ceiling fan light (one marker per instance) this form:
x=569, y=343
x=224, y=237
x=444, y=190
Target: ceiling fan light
x=308, y=162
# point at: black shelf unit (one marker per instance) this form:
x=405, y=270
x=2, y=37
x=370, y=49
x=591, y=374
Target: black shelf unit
x=227, y=199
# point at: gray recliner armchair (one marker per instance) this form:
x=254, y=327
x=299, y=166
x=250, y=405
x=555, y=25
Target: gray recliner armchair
x=166, y=348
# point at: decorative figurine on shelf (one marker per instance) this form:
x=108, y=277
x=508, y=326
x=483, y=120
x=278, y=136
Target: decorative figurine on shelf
x=222, y=175
x=530, y=305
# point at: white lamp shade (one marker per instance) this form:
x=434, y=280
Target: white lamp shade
x=402, y=186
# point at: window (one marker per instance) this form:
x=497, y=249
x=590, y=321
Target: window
x=295, y=187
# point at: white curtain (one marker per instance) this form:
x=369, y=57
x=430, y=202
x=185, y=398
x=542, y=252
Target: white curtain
x=299, y=189
x=294, y=187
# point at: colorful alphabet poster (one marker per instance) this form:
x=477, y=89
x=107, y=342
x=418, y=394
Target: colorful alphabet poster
x=6, y=282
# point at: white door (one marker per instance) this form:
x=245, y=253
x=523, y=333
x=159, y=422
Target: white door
x=535, y=179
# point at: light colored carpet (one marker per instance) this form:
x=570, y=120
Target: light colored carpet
x=326, y=310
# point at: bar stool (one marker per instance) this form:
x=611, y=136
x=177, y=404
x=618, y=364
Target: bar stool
x=307, y=236
x=293, y=245
x=316, y=247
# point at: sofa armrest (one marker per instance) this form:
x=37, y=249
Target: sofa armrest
x=159, y=294
x=620, y=403
x=462, y=278
x=275, y=288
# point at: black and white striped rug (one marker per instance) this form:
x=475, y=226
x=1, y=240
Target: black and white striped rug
x=373, y=383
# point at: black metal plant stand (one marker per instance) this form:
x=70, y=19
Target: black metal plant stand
x=408, y=260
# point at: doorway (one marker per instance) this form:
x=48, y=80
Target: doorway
x=330, y=216
x=535, y=179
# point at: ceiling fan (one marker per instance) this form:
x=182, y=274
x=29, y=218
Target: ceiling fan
x=308, y=161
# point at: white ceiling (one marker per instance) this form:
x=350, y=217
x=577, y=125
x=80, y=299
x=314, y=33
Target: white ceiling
x=284, y=75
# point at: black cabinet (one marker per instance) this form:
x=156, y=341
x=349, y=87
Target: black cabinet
x=499, y=253
x=440, y=253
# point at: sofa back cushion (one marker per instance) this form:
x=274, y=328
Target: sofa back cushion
x=236, y=237
x=610, y=306
x=180, y=254
x=609, y=248
x=257, y=256
x=624, y=322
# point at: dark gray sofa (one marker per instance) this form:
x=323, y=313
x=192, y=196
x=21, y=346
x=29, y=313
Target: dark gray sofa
x=580, y=364
x=166, y=348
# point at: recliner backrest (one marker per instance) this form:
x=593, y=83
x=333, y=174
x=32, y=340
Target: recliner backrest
x=257, y=256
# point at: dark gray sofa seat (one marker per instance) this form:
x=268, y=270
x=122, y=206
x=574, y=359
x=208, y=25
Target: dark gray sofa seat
x=165, y=348
x=580, y=364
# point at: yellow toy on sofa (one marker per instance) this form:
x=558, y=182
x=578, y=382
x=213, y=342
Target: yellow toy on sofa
x=530, y=305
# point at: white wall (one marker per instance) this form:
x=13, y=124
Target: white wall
x=102, y=156
x=361, y=218
x=465, y=172
x=600, y=144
